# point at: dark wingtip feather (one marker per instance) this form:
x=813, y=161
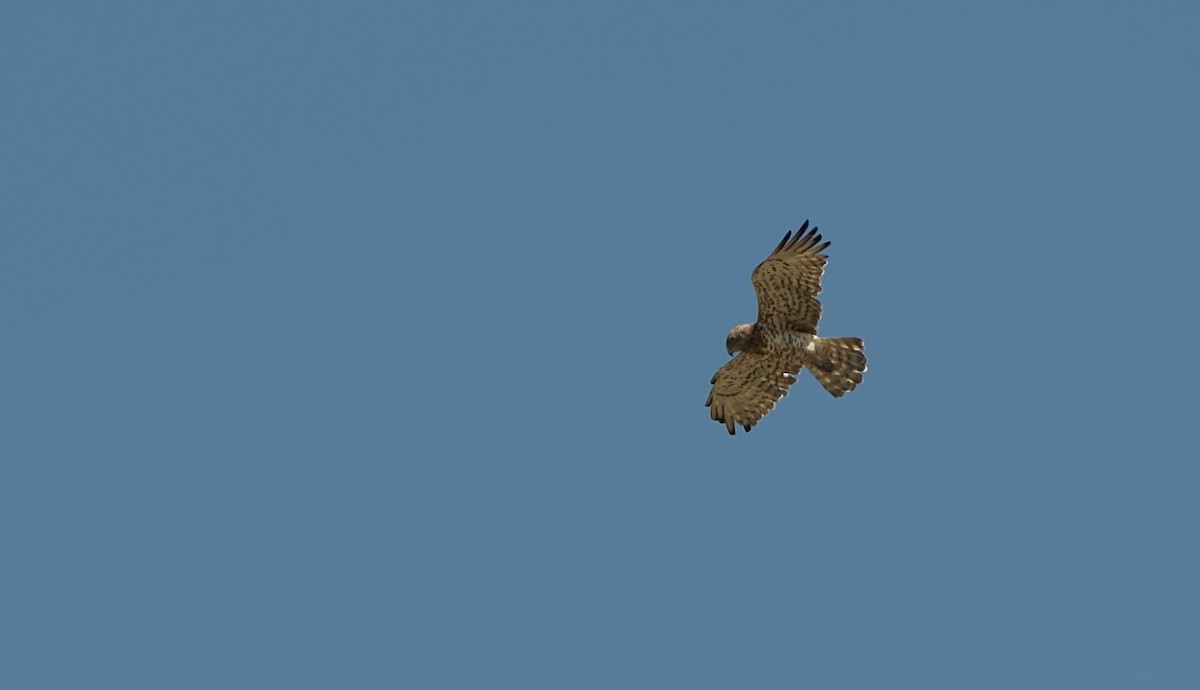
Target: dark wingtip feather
x=805, y=241
x=784, y=241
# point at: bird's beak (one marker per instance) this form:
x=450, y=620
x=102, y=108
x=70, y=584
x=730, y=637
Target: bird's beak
x=729, y=350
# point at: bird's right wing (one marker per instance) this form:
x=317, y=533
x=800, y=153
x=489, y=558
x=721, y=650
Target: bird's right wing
x=747, y=388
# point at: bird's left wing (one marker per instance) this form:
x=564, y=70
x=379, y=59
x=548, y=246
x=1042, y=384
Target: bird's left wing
x=788, y=281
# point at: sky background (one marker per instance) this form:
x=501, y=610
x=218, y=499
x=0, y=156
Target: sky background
x=365, y=345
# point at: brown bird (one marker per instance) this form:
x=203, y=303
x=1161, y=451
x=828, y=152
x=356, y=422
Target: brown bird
x=772, y=350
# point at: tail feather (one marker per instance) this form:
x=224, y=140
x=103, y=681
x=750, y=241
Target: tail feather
x=838, y=363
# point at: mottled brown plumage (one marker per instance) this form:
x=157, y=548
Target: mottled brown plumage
x=772, y=350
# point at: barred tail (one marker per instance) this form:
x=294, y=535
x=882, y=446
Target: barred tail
x=838, y=364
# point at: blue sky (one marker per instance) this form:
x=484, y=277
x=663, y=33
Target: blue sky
x=366, y=345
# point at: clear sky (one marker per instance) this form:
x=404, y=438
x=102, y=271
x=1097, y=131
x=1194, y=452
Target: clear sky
x=365, y=345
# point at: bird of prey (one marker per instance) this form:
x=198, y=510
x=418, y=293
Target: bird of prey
x=771, y=351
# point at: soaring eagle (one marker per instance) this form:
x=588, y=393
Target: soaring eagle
x=772, y=350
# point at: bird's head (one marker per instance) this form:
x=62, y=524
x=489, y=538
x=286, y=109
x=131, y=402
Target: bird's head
x=736, y=340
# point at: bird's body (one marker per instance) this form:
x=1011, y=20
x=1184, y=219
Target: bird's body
x=771, y=351
x=765, y=341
